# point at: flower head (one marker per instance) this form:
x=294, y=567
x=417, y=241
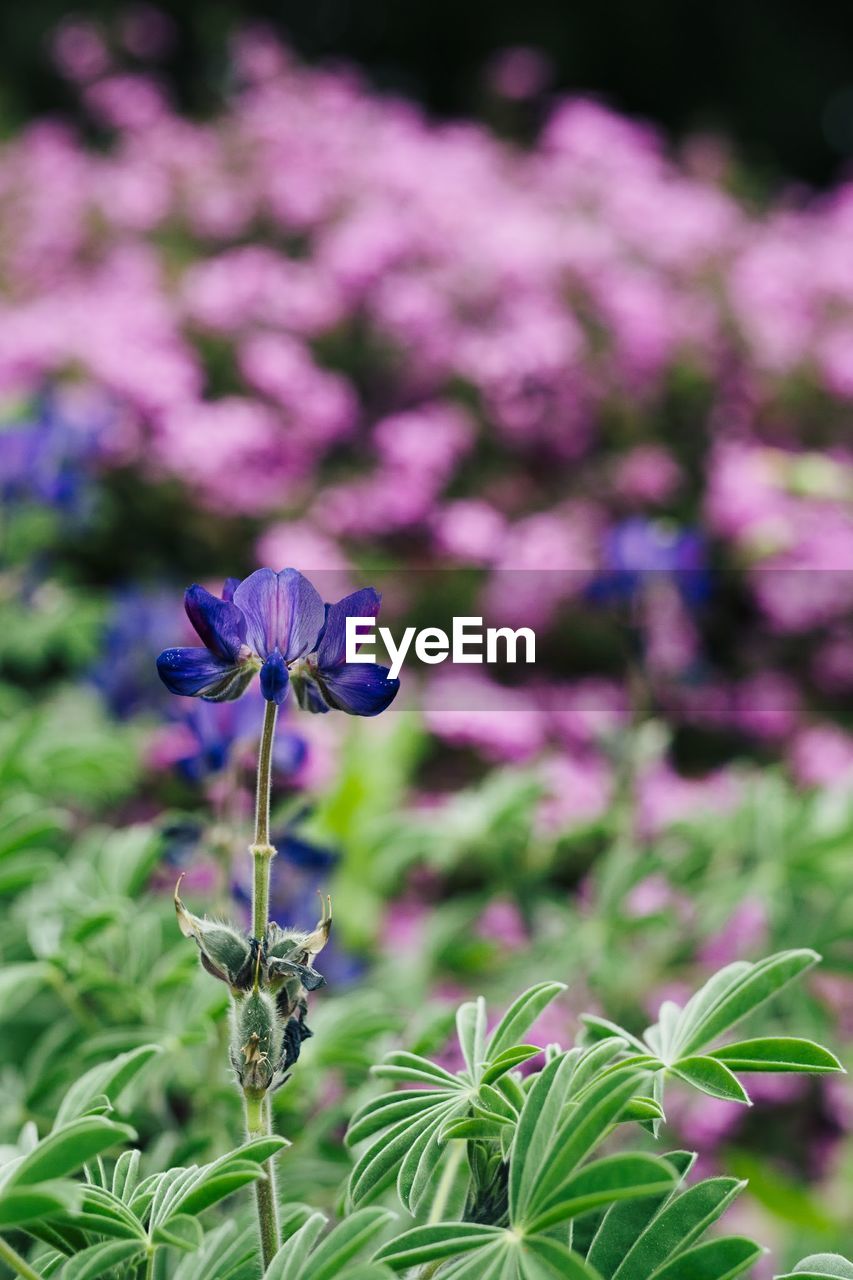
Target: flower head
x=278, y=625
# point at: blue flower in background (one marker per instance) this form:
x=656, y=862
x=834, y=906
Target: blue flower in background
x=638, y=550
x=47, y=449
x=269, y=623
x=139, y=622
x=221, y=730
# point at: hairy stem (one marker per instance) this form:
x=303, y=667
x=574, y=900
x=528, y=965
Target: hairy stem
x=18, y=1264
x=262, y=851
x=258, y=1126
x=258, y=1110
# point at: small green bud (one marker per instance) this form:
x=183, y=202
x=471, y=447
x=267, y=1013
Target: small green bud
x=225, y=952
x=256, y=1041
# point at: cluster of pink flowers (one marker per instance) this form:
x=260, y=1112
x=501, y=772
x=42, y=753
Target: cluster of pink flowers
x=372, y=332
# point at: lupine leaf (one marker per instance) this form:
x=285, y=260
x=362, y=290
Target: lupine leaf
x=712, y=1077
x=601, y=1029
x=747, y=992
x=777, y=1053
x=411, y=1066
x=97, y=1261
x=66, y=1149
x=19, y=1205
x=182, y=1231
x=613, y=1178
x=126, y=1174
x=537, y=1126
x=391, y=1108
x=471, y=1030
x=507, y=1061
x=681, y=1221
x=109, y=1078
x=819, y=1266
x=423, y=1156
x=289, y=1262
x=578, y=1134
x=592, y=1061
x=377, y=1167
x=520, y=1016
x=716, y=1260
x=623, y=1223
x=421, y=1245
x=345, y=1241
x=561, y=1260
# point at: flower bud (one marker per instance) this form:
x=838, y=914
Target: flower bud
x=225, y=953
x=256, y=1042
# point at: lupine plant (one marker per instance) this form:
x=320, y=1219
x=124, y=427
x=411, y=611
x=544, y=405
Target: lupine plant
x=526, y=1162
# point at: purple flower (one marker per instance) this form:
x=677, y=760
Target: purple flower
x=325, y=680
x=636, y=551
x=277, y=624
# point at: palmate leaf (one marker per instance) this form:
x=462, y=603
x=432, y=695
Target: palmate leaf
x=99, y=1259
x=412, y=1127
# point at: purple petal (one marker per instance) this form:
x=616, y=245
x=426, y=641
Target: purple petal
x=360, y=689
x=220, y=625
x=308, y=694
x=283, y=611
x=331, y=651
x=274, y=678
x=199, y=673
x=229, y=586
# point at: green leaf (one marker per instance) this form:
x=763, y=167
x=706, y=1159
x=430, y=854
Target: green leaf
x=66, y=1149
x=423, y=1157
x=426, y=1244
x=562, y=1261
x=712, y=1077
x=508, y=1061
x=601, y=1029
x=537, y=1126
x=391, y=1108
x=520, y=1016
x=126, y=1175
x=377, y=1167
x=717, y=1260
x=605, y=1181
x=96, y=1262
x=345, y=1242
x=411, y=1066
x=20, y=1205
x=471, y=1030
x=721, y=1004
x=624, y=1223
x=777, y=1053
x=289, y=1262
x=110, y=1078
x=578, y=1134
x=682, y=1220
x=181, y=1230
x=820, y=1266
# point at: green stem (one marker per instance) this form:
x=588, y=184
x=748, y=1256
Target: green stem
x=258, y=1126
x=258, y=1111
x=149, y=1263
x=262, y=851
x=18, y=1264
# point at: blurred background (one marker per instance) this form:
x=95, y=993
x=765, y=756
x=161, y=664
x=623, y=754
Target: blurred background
x=542, y=315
